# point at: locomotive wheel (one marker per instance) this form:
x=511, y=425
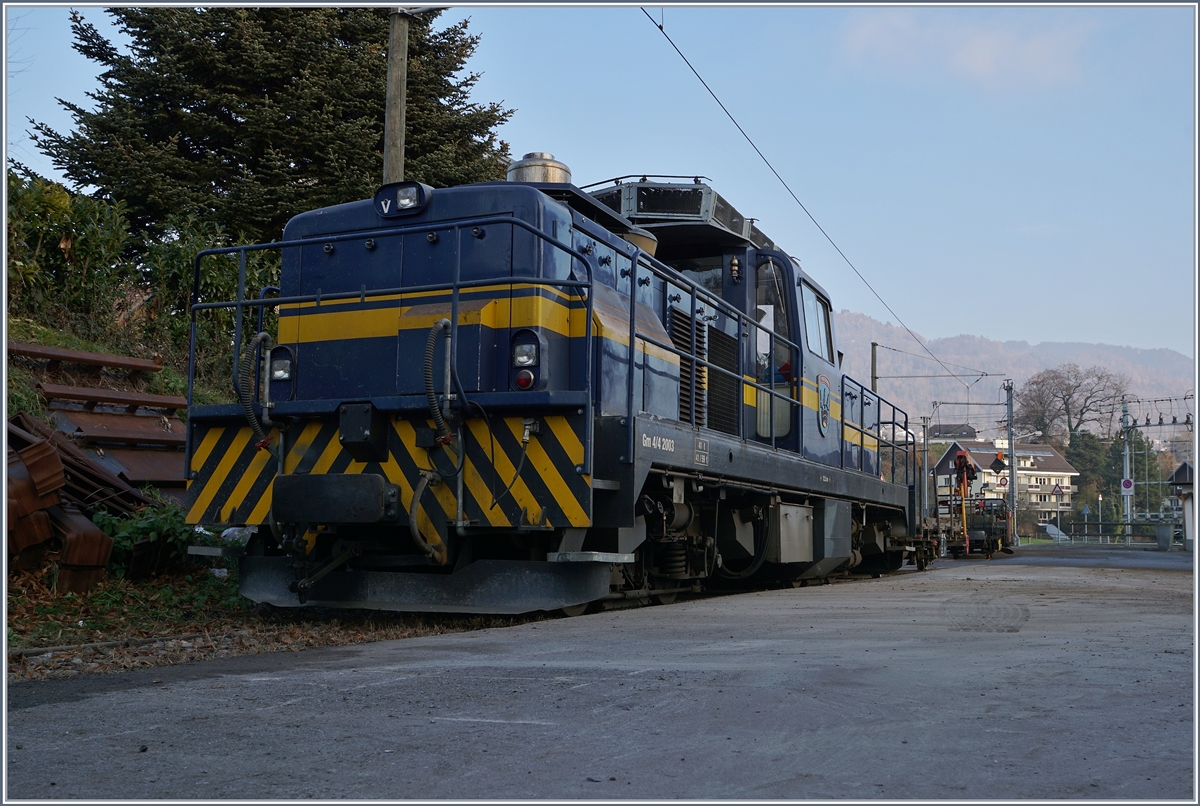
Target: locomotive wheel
x=664, y=598
x=574, y=610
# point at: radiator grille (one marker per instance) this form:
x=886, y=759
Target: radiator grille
x=670, y=201
x=724, y=392
x=681, y=326
x=610, y=199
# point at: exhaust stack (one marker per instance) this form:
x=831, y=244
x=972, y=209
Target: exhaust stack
x=538, y=166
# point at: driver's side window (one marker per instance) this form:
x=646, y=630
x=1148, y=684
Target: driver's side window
x=775, y=359
x=816, y=322
x=772, y=314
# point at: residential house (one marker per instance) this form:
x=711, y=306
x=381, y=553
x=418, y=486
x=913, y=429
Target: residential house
x=1045, y=480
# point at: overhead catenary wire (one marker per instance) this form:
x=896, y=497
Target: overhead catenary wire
x=925, y=358
x=796, y=198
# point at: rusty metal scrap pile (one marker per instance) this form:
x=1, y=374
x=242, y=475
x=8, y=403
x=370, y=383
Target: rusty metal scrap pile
x=59, y=477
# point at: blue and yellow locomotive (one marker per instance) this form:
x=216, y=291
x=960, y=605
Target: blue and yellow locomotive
x=517, y=396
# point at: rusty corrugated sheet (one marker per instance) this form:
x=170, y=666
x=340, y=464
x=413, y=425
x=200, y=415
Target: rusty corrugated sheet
x=87, y=482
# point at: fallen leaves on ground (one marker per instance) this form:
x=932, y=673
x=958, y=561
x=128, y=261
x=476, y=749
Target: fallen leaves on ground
x=183, y=617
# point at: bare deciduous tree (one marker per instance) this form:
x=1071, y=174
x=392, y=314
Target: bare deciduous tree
x=1061, y=401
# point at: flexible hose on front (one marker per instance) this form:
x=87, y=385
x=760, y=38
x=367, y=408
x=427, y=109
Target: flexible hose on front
x=443, y=431
x=246, y=385
x=435, y=553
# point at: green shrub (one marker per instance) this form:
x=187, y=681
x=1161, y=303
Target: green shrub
x=163, y=524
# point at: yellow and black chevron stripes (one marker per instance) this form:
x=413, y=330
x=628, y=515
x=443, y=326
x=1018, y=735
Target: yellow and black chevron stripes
x=233, y=481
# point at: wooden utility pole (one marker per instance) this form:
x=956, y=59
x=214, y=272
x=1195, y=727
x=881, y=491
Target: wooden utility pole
x=393, y=117
x=874, y=372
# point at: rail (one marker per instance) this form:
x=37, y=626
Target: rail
x=241, y=304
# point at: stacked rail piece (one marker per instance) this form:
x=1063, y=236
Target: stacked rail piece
x=104, y=444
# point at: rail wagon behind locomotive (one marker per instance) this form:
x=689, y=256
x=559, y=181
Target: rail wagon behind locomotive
x=516, y=396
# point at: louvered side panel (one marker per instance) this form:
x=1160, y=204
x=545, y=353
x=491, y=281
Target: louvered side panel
x=680, y=326
x=724, y=394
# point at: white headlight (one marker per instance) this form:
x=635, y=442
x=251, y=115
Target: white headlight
x=408, y=197
x=525, y=355
x=281, y=369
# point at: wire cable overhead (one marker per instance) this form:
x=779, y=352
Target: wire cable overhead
x=796, y=198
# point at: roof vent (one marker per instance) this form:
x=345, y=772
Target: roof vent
x=538, y=166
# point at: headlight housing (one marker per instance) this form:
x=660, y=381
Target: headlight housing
x=281, y=373
x=401, y=198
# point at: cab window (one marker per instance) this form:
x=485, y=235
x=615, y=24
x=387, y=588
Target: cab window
x=772, y=316
x=816, y=322
x=775, y=359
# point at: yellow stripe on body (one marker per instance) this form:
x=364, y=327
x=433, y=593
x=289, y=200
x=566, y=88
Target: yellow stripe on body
x=228, y=461
x=858, y=436
x=504, y=469
x=812, y=400
x=309, y=325
x=558, y=488
x=338, y=325
x=261, y=457
x=470, y=312
x=606, y=326
x=532, y=311
x=540, y=312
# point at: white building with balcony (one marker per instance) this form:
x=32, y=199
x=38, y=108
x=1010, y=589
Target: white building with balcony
x=1045, y=480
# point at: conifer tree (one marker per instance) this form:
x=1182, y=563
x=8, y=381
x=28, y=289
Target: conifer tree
x=244, y=117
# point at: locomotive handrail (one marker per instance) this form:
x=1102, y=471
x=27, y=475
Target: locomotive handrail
x=697, y=293
x=390, y=232
x=854, y=389
x=668, y=274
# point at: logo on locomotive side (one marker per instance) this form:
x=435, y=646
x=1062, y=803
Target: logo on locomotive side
x=823, y=404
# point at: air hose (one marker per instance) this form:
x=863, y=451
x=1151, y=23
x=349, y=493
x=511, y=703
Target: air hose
x=436, y=553
x=246, y=385
x=760, y=554
x=443, y=431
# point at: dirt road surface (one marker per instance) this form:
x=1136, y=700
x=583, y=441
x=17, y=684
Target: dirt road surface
x=1050, y=674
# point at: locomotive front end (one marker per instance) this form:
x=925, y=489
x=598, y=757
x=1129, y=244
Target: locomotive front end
x=415, y=434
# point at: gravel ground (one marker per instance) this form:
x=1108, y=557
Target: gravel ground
x=1048, y=675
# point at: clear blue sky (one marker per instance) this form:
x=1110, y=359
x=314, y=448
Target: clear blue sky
x=1022, y=173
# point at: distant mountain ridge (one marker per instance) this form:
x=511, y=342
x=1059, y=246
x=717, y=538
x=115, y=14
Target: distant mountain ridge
x=1156, y=373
